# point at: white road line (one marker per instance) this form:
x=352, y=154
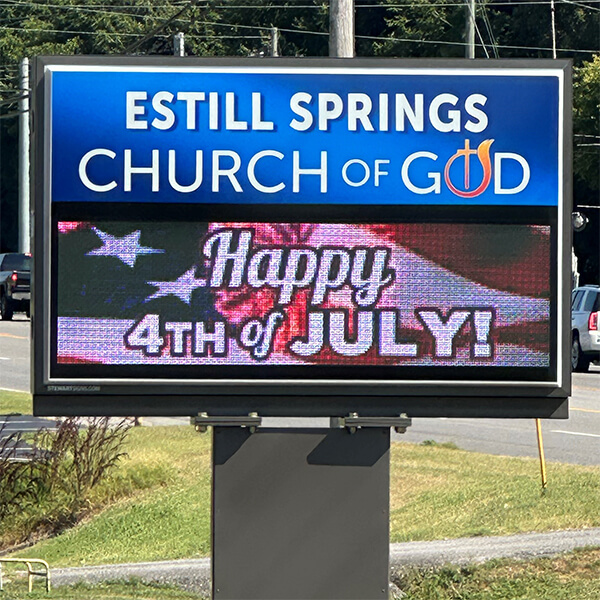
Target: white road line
x=576, y=433
x=4, y=358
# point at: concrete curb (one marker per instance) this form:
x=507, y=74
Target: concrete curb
x=195, y=574
x=191, y=574
x=465, y=551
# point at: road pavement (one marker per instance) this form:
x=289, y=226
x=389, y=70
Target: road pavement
x=576, y=440
x=14, y=354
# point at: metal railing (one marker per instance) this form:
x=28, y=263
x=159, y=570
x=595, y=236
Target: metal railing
x=30, y=572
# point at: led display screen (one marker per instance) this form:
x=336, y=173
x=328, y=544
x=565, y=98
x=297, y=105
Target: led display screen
x=301, y=237
x=273, y=294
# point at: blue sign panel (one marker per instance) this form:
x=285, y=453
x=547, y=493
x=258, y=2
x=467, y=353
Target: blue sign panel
x=306, y=136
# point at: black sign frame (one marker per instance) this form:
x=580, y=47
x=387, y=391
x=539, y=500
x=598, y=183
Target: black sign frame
x=124, y=395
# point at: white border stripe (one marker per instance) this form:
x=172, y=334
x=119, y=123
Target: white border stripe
x=304, y=382
x=328, y=71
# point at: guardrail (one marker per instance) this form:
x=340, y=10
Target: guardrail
x=30, y=572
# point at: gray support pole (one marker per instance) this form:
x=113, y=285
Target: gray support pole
x=24, y=212
x=341, y=28
x=300, y=513
x=470, y=37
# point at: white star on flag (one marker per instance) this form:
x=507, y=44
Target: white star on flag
x=126, y=248
x=182, y=287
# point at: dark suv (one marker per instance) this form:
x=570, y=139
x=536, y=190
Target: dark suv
x=585, y=326
x=15, y=270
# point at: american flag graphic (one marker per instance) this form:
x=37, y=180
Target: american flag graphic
x=149, y=293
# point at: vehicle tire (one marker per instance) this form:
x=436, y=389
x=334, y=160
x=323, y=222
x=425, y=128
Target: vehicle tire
x=579, y=362
x=6, y=309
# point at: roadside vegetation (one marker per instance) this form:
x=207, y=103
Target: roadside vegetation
x=15, y=403
x=571, y=576
x=117, y=590
x=154, y=503
x=438, y=492
x=384, y=29
x=48, y=478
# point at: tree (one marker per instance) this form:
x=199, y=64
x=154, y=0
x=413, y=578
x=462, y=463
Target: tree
x=407, y=28
x=586, y=123
x=586, y=161
x=69, y=27
x=422, y=29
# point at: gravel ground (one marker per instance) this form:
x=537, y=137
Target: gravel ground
x=194, y=574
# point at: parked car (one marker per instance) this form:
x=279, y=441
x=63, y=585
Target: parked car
x=585, y=326
x=15, y=291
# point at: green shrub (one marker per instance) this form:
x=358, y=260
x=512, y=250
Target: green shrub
x=51, y=490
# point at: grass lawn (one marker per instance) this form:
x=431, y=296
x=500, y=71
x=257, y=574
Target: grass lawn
x=15, y=402
x=572, y=576
x=437, y=492
x=156, y=504
x=118, y=590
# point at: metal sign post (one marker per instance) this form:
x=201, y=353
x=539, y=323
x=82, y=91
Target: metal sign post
x=300, y=513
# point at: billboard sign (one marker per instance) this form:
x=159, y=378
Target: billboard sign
x=301, y=237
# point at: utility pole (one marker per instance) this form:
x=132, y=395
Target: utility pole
x=274, y=41
x=179, y=44
x=470, y=49
x=552, y=13
x=341, y=28
x=24, y=218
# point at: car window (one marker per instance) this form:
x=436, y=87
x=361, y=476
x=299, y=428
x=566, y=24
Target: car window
x=576, y=300
x=16, y=262
x=591, y=301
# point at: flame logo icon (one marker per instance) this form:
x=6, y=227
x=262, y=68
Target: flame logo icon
x=483, y=154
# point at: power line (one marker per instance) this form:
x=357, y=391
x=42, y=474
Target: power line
x=157, y=29
x=40, y=30
x=488, y=27
x=14, y=99
x=265, y=29
x=162, y=36
x=92, y=10
x=308, y=32
x=580, y=5
x=100, y=8
x=488, y=4
x=15, y=113
x=444, y=42
x=473, y=8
